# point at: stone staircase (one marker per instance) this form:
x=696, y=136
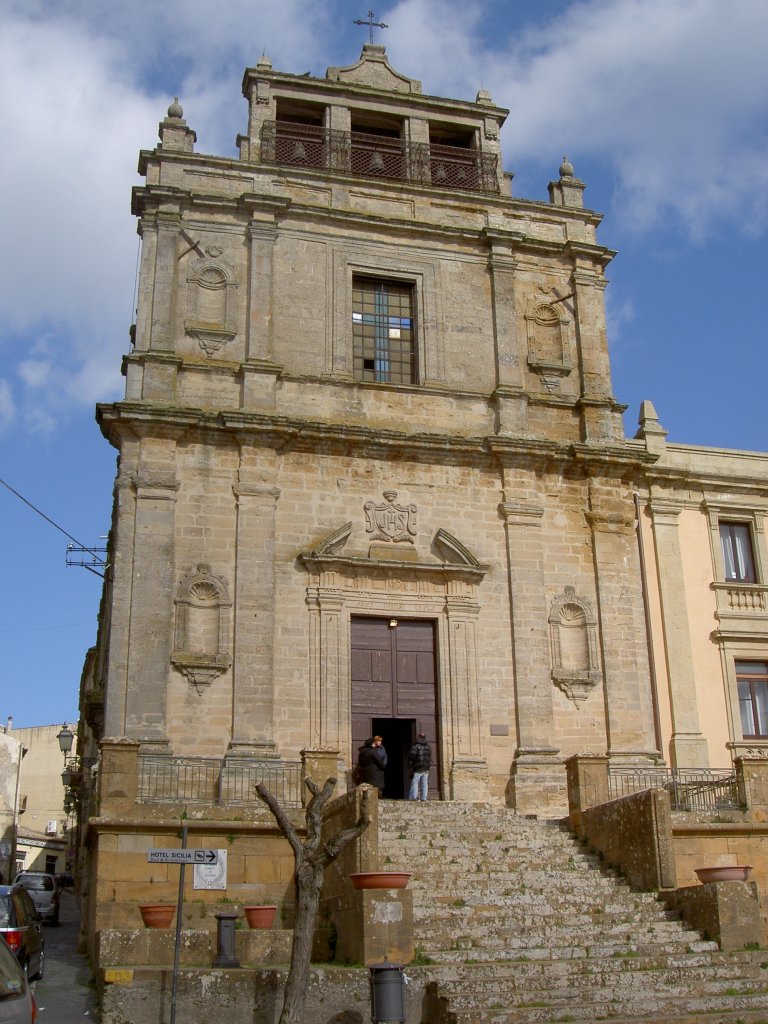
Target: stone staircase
x=519, y=924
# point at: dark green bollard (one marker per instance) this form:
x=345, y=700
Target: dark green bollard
x=225, y=940
x=387, y=993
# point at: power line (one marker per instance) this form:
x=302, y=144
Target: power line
x=49, y=520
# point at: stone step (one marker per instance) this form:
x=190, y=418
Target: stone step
x=522, y=926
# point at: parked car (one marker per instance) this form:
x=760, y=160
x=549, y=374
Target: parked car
x=20, y=927
x=44, y=891
x=17, y=1004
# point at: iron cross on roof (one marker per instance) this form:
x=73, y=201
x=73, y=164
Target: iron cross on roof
x=370, y=23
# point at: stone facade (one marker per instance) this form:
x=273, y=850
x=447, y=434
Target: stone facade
x=369, y=390
x=265, y=453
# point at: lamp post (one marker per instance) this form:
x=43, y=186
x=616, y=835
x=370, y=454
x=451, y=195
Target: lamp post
x=66, y=737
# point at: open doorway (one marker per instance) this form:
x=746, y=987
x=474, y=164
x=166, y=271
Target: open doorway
x=398, y=735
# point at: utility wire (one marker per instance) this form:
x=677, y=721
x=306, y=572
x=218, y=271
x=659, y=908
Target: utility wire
x=49, y=520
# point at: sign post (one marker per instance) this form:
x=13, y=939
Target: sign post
x=182, y=857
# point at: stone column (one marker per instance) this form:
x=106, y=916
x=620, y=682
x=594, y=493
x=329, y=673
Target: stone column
x=752, y=782
x=118, y=776
x=329, y=710
x=509, y=395
x=537, y=776
x=601, y=415
x=688, y=746
x=160, y=362
x=259, y=372
x=468, y=768
x=254, y=609
x=123, y=535
x=150, y=635
x=319, y=765
x=628, y=701
x=587, y=776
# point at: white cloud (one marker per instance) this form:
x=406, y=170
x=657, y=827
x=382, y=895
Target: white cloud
x=7, y=404
x=673, y=94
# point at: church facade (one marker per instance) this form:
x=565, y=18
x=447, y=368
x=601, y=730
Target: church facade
x=373, y=477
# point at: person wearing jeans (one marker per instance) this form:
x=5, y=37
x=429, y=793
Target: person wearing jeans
x=421, y=761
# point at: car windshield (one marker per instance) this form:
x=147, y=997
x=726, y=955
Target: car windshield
x=37, y=882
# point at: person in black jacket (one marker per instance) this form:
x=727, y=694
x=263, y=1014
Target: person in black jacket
x=372, y=760
x=420, y=758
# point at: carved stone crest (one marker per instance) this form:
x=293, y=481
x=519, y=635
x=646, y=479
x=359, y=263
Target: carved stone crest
x=394, y=524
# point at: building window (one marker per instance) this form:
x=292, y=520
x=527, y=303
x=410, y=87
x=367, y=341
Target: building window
x=752, y=679
x=738, y=559
x=383, y=331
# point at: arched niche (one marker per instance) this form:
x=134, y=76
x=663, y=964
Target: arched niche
x=202, y=647
x=211, y=289
x=573, y=640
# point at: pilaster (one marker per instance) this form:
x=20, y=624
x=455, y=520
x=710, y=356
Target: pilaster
x=252, y=674
x=628, y=705
x=537, y=775
x=509, y=395
x=150, y=641
x=688, y=745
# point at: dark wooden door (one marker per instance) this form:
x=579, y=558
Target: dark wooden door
x=394, y=679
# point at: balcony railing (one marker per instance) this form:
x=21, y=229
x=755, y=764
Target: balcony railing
x=742, y=598
x=378, y=156
x=700, y=789
x=215, y=781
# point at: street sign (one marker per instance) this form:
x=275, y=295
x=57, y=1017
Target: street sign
x=157, y=855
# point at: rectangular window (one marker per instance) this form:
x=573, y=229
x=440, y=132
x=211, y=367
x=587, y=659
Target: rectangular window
x=383, y=333
x=752, y=679
x=738, y=560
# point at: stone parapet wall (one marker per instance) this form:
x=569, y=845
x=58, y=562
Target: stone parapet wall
x=728, y=912
x=129, y=947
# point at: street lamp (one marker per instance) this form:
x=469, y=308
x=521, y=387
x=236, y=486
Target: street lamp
x=66, y=737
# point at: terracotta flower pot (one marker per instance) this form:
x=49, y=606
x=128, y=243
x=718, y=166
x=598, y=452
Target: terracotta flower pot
x=380, y=879
x=157, y=915
x=724, y=873
x=260, y=916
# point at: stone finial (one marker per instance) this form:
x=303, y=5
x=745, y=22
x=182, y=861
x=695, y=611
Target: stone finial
x=264, y=62
x=651, y=431
x=174, y=133
x=567, y=190
x=484, y=97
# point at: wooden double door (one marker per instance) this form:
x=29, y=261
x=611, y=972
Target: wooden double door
x=394, y=693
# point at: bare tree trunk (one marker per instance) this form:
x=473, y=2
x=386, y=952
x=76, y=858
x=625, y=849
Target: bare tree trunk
x=311, y=861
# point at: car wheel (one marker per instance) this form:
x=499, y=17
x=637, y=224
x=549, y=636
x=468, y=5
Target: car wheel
x=40, y=966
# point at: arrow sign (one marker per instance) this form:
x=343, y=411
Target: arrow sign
x=156, y=855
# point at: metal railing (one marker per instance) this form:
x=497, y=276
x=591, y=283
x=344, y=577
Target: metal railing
x=695, y=789
x=379, y=156
x=215, y=781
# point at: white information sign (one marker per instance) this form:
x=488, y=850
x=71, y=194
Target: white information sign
x=157, y=855
x=211, y=876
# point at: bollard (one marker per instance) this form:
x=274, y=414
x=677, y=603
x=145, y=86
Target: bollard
x=225, y=940
x=387, y=993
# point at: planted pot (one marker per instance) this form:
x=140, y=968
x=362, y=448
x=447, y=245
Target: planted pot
x=262, y=916
x=380, y=879
x=724, y=873
x=157, y=915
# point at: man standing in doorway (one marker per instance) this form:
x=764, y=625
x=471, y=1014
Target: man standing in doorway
x=372, y=761
x=421, y=761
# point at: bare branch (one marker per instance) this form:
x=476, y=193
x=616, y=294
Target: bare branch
x=282, y=820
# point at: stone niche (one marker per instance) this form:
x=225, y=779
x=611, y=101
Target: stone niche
x=202, y=649
x=573, y=641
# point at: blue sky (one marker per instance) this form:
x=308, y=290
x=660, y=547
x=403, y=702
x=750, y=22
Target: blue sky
x=661, y=105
